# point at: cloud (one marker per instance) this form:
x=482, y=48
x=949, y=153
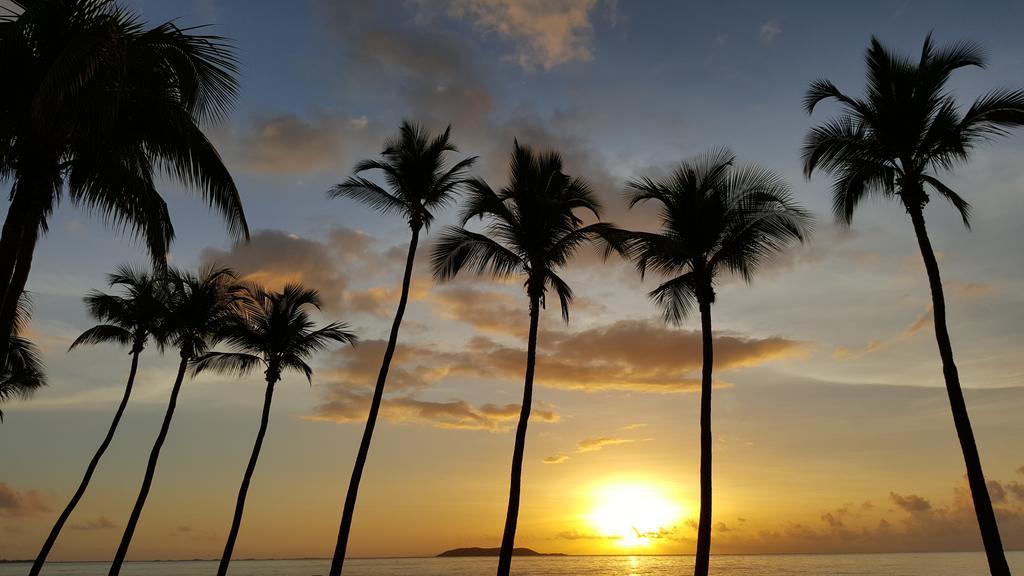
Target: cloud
x=923, y=320
x=20, y=504
x=487, y=311
x=636, y=426
x=275, y=258
x=555, y=459
x=911, y=502
x=349, y=406
x=595, y=444
x=101, y=523
x=969, y=289
x=770, y=31
x=547, y=32
x=289, y=143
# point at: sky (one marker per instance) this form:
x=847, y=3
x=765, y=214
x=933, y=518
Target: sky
x=832, y=428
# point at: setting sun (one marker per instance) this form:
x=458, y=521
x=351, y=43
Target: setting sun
x=632, y=514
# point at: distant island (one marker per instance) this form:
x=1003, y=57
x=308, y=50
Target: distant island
x=471, y=552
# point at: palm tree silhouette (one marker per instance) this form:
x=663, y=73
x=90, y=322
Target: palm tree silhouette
x=414, y=168
x=531, y=230
x=23, y=373
x=199, y=307
x=129, y=319
x=97, y=105
x=272, y=330
x=715, y=216
x=894, y=143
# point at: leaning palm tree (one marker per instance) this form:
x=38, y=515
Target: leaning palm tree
x=23, y=373
x=895, y=143
x=419, y=184
x=128, y=319
x=272, y=330
x=532, y=230
x=199, y=306
x=715, y=217
x=96, y=104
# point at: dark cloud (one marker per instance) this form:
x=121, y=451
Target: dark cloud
x=275, y=258
x=290, y=143
x=911, y=502
x=21, y=503
x=555, y=459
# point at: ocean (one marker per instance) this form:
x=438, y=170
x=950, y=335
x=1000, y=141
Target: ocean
x=935, y=564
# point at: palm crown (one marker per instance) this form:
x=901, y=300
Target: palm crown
x=273, y=329
x=24, y=373
x=200, y=306
x=531, y=226
x=715, y=216
x=102, y=103
x=132, y=318
x=894, y=141
x=418, y=182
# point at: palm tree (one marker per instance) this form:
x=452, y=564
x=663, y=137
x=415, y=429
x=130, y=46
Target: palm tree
x=96, y=105
x=894, y=143
x=532, y=231
x=418, y=185
x=23, y=373
x=130, y=320
x=199, y=307
x=272, y=330
x=715, y=217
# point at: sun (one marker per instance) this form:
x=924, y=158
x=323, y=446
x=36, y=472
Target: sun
x=632, y=515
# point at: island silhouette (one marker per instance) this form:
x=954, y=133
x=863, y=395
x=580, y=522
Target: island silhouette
x=472, y=552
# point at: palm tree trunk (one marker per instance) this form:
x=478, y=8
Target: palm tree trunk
x=371, y=420
x=10, y=240
x=16, y=287
x=703, y=556
x=236, y=522
x=37, y=566
x=508, y=539
x=975, y=477
x=147, y=481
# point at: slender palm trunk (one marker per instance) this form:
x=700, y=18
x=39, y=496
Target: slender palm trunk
x=371, y=420
x=703, y=556
x=16, y=287
x=508, y=539
x=236, y=522
x=37, y=566
x=975, y=477
x=147, y=481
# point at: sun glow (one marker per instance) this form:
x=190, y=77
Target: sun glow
x=632, y=515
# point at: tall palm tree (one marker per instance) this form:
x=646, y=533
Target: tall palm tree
x=895, y=143
x=128, y=319
x=715, y=217
x=97, y=103
x=532, y=230
x=23, y=373
x=199, y=307
x=272, y=330
x=419, y=184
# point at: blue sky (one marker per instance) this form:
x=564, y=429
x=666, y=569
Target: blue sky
x=829, y=340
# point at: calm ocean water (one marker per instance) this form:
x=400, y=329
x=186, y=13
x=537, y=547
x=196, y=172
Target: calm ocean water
x=952, y=564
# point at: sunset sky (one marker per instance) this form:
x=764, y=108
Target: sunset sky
x=832, y=428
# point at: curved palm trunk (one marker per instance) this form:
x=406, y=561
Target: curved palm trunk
x=236, y=522
x=147, y=481
x=703, y=557
x=16, y=287
x=37, y=566
x=371, y=420
x=975, y=477
x=10, y=241
x=508, y=539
